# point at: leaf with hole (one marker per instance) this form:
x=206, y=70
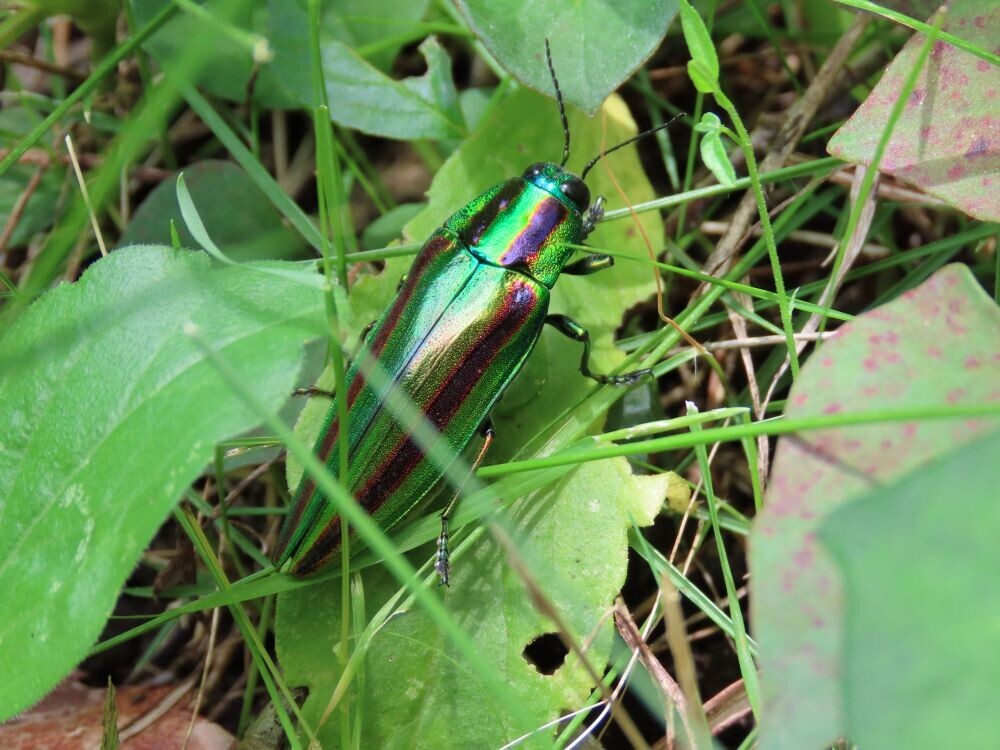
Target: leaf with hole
x=572, y=536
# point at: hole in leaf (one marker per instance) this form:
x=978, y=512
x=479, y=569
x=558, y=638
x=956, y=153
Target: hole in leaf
x=546, y=653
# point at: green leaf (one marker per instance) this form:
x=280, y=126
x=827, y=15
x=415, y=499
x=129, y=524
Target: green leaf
x=704, y=59
x=574, y=541
x=713, y=149
x=364, y=98
x=110, y=411
x=39, y=211
x=237, y=215
x=596, y=44
x=354, y=23
x=936, y=345
x=946, y=142
x=509, y=140
x=919, y=560
x=701, y=78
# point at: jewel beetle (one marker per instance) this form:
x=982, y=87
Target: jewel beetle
x=463, y=322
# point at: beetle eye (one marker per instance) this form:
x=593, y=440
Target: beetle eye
x=534, y=170
x=575, y=189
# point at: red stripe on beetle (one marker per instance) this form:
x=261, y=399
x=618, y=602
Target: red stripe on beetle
x=406, y=455
x=431, y=252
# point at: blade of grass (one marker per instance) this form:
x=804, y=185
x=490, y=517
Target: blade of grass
x=778, y=426
x=270, y=674
x=805, y=169
x=329, y=182
x=252, y=166
x=748, y=669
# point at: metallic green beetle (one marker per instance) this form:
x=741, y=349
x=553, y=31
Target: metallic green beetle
x=462, y=324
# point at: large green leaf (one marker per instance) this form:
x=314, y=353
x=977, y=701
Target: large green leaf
x=109, y=412
x=947, y=141
x=936, y=345
x=596, y=44
x=919, y=562
x=576, y=528
x=238, y=216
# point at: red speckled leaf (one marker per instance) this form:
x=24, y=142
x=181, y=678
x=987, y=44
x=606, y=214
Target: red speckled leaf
x=947, y=141
x=938, y=344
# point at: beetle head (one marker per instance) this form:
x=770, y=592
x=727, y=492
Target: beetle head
x=565, y=186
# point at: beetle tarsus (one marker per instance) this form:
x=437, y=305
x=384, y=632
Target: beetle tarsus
x=441, y=562
x=594, y=214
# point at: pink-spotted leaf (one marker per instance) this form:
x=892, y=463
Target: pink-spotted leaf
x=938, y=344
x=947, y=140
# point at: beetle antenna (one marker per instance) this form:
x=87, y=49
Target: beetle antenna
x=627, y=141
x=559, y=101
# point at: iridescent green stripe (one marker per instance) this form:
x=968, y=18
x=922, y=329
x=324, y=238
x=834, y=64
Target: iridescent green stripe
x=442, y=267
x=454, y=379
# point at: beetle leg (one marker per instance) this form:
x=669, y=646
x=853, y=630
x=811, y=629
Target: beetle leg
x=569, y=327
x=589, y=264
x=361, y=342
x=441, y=562
x=313, y=391
x=593, y=215
x=402, y=280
